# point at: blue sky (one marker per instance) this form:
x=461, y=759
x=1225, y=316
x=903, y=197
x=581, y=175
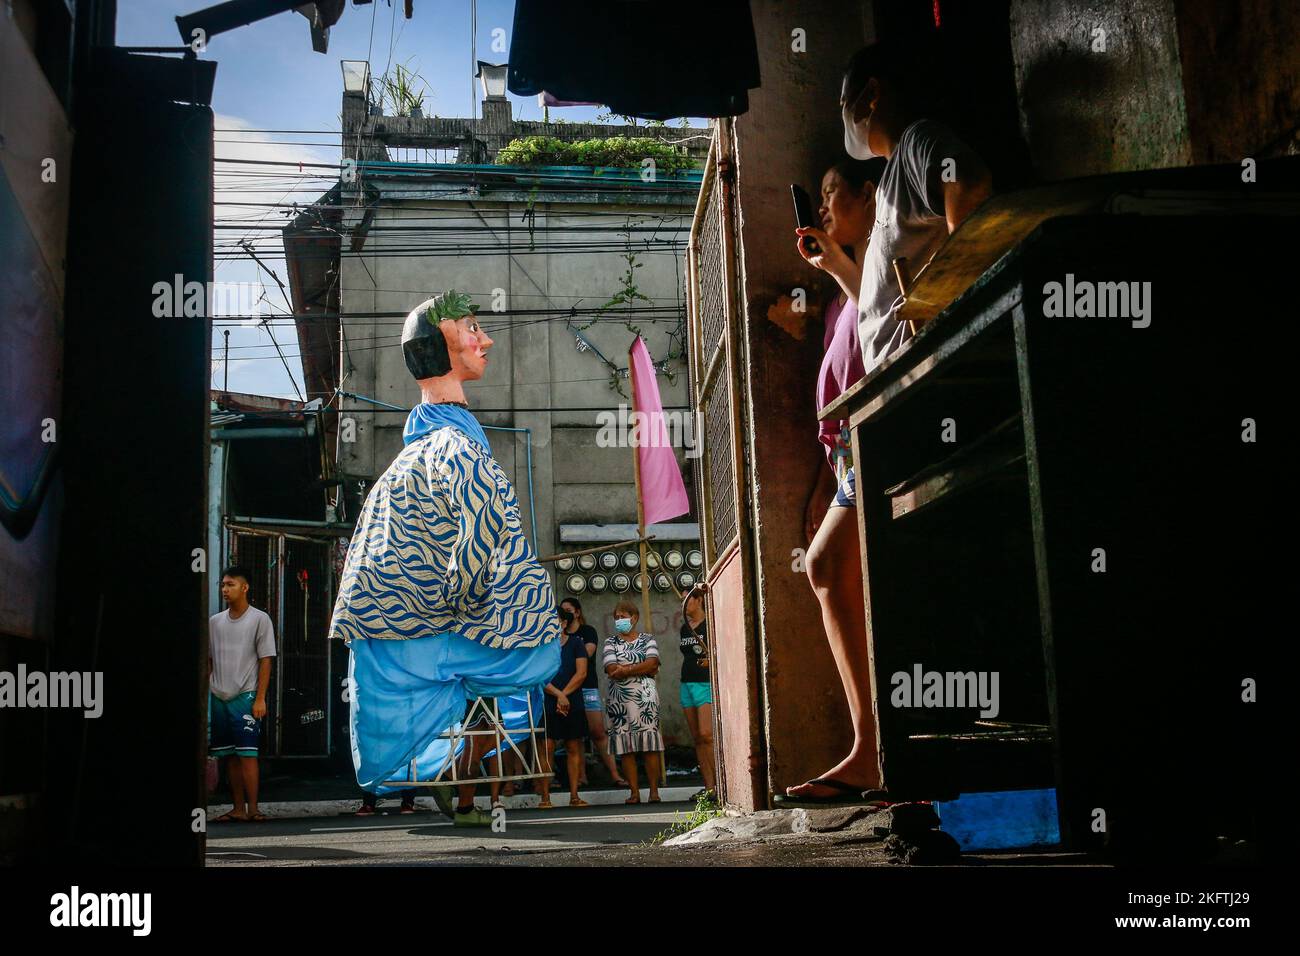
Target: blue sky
x=269, y=78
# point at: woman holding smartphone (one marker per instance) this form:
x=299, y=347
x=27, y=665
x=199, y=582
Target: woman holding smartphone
x=915, y=205
x=847, y=213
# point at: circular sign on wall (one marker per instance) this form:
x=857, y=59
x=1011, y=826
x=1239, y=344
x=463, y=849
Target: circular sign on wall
x=662, y=582
x=674, y=560
x=608, y=560
x=564, y=564
x=685, y=581
x=598, y=583
x=576, y=583
x=620, y=582
x=587, y=562
x=694, y=559
x=631, y=560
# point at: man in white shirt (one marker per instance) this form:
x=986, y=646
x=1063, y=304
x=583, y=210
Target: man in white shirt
x=931, y=183
x=241, y=643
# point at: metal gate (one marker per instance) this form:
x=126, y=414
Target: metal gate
x=718, y=370
x=292, y=582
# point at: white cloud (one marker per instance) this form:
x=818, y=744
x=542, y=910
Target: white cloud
x=254, y=183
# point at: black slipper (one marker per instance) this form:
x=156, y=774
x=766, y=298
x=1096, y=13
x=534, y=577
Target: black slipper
x=881, y=797
x=848, y=795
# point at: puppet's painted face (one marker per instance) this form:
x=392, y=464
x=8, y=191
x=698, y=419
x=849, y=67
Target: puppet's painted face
x=442, y=336
x=467, y=345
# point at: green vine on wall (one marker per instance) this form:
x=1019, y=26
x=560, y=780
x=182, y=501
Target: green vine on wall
x=627, y=296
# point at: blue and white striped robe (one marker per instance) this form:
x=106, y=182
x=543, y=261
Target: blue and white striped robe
x=441, y=598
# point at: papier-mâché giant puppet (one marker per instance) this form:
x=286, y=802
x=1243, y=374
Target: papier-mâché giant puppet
x=442, y=599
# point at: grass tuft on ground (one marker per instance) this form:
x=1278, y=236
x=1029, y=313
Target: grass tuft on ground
x=705, y=810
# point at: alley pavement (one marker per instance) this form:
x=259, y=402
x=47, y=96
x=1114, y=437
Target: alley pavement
x=562, y=836
x=605, y=835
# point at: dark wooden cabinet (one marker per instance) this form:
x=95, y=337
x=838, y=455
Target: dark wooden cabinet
x=1005, y=457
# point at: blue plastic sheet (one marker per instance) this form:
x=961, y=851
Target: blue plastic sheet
x=1002, y=820
x=408, y=693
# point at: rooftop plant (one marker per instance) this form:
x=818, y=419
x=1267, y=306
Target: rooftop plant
x=616, y=151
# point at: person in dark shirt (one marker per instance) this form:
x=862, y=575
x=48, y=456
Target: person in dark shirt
x=697, y=691
x=565, y=718
x=576, y=624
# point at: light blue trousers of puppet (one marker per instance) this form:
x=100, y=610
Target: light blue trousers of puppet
x=407, y=694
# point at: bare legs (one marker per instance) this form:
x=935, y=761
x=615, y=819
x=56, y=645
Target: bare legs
x=653, y=770
x=548, y=768
x=242, y=774
x=479, y=744
x=573, y=756
x=835, y=572
x=700, y=721
x=653, y=760
x=600, y=742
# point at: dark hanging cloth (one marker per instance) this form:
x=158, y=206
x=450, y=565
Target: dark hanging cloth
x=656, y=59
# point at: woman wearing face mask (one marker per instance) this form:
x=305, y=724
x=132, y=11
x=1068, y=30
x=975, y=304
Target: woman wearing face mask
x=631, y=660
x=930, y=184
x=576, y=624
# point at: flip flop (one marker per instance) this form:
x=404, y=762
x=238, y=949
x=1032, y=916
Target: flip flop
x=258, y=818
x=579, y=803
x=878, y=797
x=230, y=817
x=546, y=805
x=848, y=795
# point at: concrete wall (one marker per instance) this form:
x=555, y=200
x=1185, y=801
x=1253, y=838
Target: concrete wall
x=791, y=133
x=1086, y=111
x=533, y=365
x=1177, y=83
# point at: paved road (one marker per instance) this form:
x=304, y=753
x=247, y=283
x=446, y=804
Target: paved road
x=429, y=838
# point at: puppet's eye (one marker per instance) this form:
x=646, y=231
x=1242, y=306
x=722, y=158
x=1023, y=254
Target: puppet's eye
x=473, y=327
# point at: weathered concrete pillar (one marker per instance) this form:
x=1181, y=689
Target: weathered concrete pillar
x=791, y=134
x=1109, y=87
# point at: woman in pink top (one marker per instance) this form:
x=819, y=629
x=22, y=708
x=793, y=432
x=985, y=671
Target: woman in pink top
x=848, y=212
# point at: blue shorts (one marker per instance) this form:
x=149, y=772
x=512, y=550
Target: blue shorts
x=591, y=700
x=846, y=496
x=696, y=693
x=232, y=728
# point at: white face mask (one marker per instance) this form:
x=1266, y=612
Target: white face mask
x=855, y=133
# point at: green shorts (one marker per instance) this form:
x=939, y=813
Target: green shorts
x=696, y=693
x=232, y=728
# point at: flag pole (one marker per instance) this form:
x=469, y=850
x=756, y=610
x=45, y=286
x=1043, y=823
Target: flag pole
x=640, y=431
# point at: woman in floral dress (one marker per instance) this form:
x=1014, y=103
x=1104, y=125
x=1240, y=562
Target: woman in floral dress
x=631, y=660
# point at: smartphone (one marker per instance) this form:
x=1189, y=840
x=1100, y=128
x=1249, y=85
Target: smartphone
x=803, y=216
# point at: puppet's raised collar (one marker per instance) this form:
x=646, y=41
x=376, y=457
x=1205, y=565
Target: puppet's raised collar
x=425, y=418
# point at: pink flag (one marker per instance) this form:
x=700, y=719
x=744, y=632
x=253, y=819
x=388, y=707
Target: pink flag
x=662, y=489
